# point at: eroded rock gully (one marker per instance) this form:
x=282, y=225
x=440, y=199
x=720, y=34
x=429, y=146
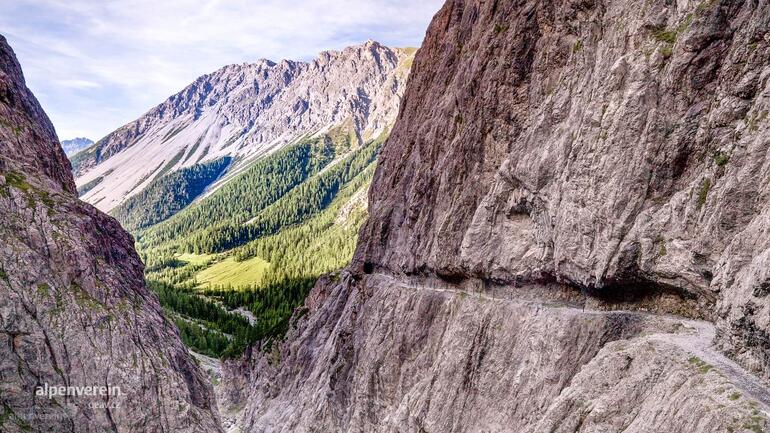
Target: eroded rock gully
x=607, y=146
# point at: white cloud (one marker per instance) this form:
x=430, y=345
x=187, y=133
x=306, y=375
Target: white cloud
x=96, y=65
x=77, y=84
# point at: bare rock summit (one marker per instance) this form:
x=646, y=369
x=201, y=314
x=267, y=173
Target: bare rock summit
x=246, y=111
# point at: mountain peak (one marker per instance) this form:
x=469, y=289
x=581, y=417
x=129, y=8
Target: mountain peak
x=371, y=43
x=246, y=111
x=28, y=134
x=75, y=145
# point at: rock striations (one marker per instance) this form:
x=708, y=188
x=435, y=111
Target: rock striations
x=552, y=161
x=246, y=111
x=604, y=145
x=74, y=310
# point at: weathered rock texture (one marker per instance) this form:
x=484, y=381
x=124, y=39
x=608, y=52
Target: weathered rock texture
x=610, y=145
x=608, y=152
x=74, y=310
x=247, y=111
x=379, y=356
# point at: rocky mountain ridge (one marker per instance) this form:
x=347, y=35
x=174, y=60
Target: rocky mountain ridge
x=552, y=161
x=247, y=111
x=75, y=145
x=75, y=315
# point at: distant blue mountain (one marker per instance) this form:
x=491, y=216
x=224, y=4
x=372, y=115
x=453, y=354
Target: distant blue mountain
x=75, y=145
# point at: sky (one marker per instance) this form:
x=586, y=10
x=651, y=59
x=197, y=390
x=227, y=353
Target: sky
x=96, y=65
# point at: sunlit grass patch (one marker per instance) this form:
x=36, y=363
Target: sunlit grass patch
x=230, y=272
x=195, y=259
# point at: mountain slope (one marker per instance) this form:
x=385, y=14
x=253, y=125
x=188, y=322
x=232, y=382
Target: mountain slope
x=246, y=112
x=202, y=229
x=168, y=195
x=74, y=310
x=606, y=167
x=75, y=145
x=260, y=241
x=552, y=161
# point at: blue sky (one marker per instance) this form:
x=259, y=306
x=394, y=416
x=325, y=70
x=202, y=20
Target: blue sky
x=98, y=64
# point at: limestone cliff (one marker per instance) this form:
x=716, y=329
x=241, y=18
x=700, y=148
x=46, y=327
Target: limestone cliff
x=74, y=310
x=553, y=161
x=605, y=145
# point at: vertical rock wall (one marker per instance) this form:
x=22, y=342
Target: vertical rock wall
x=74, y=310
x=609, y=145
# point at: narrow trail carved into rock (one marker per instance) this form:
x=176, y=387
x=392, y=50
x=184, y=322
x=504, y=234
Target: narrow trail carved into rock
x=695, y=338
x=698, y=340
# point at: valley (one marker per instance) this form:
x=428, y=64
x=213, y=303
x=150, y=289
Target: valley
x=233, y=243
x=553, y=217
x=260, y=241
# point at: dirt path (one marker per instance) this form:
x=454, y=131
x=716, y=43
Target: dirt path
x=696, y=337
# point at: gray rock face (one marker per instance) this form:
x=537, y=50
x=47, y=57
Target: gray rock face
x=246, y=111
x=74, y=310
x=551, y=161
x=605, y=145
x=379, y=355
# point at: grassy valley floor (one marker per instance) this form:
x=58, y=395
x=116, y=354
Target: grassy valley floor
x=231, y=268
